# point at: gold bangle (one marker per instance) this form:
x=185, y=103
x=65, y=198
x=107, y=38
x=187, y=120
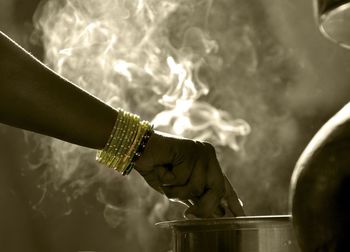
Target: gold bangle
x=104, y=156
x=120, y=139
x=124, y=142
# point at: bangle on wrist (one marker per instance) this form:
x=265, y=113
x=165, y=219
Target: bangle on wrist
x=126, y=143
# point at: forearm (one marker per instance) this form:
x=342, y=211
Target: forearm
x=33, y=97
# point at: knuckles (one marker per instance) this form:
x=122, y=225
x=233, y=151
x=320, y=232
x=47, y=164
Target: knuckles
x=205, y=148
x=190, y=152
x=209, y=148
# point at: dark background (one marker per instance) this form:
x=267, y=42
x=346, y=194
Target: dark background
x=300, y=80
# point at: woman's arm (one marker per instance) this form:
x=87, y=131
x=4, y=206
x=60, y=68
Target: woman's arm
x=35, y=98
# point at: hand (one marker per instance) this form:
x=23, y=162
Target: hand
x=188, y=171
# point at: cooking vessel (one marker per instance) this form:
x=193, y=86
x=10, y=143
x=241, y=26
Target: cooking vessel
x=334, y=20
x=239, y=234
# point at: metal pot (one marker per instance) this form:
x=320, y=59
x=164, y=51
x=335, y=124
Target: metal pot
x=334, y=20
x=240, y=234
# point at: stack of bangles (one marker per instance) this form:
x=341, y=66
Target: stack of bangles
x=126, y=143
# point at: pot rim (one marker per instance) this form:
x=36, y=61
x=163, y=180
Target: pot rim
x=237, y=222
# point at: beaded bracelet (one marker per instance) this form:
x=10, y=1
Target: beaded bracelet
x=126, y=143
x=139, y=150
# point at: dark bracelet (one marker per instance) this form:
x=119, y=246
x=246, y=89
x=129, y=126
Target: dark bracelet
x=141, y=148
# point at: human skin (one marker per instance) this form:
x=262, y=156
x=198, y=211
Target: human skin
x=35, y=98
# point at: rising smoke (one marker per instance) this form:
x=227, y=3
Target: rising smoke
x=191, y=67
x=143, y=56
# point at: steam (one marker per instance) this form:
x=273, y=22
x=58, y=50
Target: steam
x=121, y=50
x=147, y=57
x=190, y=67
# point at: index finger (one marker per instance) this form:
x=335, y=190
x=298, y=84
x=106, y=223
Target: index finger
x=231, y=198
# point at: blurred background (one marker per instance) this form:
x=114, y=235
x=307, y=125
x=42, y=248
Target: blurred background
x=256, y=79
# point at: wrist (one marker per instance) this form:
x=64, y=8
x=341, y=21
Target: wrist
x=126, y=143
x=153, y=148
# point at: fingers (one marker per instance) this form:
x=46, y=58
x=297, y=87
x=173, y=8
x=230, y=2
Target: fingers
x=206, y=205
x=195, y=175
x=189, y=153
x=165, y=176
x=194, y=188
x=152, y=179
x=231, y=198
x=229, y=205
x=182, y=173
x=158, y=177
x=177, y=183
x=219, y=211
